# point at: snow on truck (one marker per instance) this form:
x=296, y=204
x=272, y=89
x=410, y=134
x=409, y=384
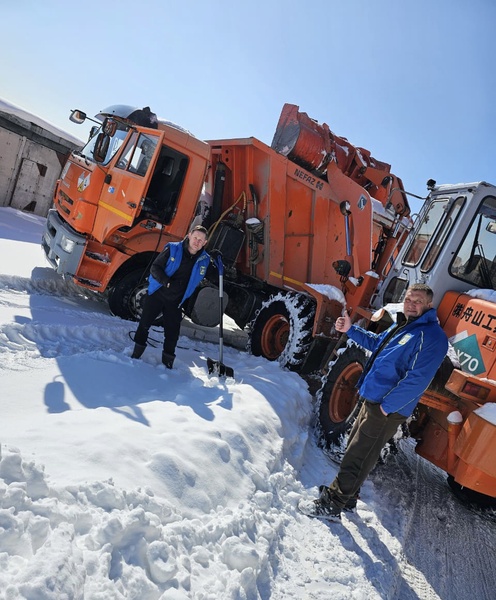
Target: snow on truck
x=306, y=227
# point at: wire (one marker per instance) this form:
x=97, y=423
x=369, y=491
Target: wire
x=216, y=224
x=154, y=343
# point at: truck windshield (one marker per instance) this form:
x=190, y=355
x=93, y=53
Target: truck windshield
x=114, y=143
x=475, y=260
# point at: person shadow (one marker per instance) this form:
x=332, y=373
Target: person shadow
x=378, y=563
x=90, y=374
x=95, y=381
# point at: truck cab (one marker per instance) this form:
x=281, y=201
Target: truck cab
x=131, y=189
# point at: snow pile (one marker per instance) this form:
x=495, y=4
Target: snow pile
x=489, y=295
x=487, y=412
x=98, y=541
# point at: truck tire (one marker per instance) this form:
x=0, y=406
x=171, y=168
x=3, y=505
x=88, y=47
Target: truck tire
x=337, y=400
x=282, y=329
x=126, y=296
x=471, y=498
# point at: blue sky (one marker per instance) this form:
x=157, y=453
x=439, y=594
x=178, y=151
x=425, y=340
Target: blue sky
x=412, y=81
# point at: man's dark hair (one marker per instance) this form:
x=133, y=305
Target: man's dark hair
x=422, y=287
x=200, y=228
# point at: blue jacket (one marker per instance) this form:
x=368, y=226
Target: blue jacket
x=397, y=374
x=197, y=274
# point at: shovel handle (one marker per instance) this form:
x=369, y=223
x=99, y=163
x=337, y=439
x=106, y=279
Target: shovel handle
x=220, y=266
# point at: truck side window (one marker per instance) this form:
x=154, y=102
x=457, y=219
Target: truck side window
x=475, y=260
x=127, y=153
x=166, y=184
x=137, y=154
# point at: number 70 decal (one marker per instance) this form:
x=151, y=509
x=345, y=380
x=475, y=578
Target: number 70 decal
x=468, y=353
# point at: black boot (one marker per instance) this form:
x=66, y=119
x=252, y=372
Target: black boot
x=351, y=503
x=324, y=507
x=168, y=359
x=138, y=351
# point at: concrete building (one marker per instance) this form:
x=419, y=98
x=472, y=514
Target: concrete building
x=32, y=155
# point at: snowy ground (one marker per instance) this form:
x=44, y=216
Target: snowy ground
x=120, y=480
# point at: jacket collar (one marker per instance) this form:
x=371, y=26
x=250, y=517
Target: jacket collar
x=430, y=316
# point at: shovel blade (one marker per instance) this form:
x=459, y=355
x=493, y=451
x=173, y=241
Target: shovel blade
x=218, y=368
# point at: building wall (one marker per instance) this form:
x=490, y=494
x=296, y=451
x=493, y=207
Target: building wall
x=31, y=160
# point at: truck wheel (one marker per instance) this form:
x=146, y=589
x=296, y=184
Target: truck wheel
x=471, y=498
x=282, y=329
x=337, y=399
x=126, y=297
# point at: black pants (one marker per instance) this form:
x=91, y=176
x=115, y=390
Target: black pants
x=153, y=305
x=369, y=434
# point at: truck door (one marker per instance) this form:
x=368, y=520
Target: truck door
x=128, y=177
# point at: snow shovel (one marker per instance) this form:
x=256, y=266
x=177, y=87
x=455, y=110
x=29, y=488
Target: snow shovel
x=214, y=366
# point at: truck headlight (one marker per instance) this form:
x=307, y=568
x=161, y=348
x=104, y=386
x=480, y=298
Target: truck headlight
x=67, y=244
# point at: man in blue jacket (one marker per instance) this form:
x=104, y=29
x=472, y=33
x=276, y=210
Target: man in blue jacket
x=404, y=360
x=174, y=276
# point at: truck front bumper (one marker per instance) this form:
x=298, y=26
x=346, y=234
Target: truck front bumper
x=63, y=246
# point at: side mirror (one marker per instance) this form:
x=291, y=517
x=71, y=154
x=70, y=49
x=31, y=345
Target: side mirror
x=491, y=227
x=93, y=131
x=78, y=116
x=101, y=147
x=109, y=127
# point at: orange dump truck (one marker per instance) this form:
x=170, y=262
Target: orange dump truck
x=306, y=227
x=289, y=229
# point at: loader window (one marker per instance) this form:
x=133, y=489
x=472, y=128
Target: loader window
x=451, y=215
x=395, y=290
x=426, y=229
x=475, y=260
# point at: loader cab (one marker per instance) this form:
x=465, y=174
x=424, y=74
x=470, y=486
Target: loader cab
x=451, y=247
